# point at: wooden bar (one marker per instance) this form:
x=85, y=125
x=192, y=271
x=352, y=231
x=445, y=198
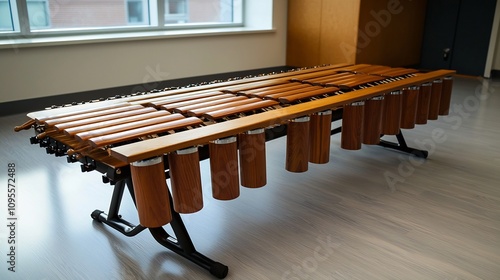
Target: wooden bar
x=214, y=115
x=153, y=114
x=196, y=101
x=103, y=112
x=261, y=92
x=42, y=116
x=277, y=95
x=118, y=137
x=308, y=94
x=209, y=104
x=164, y=101
x=83, y=136
x=364, y=80
x=338, y=81
x=329, y=78
x=198, y=112
x=103, y=118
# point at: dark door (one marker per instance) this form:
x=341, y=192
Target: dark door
x=457, y=35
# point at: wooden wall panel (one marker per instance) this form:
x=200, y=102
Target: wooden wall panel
x=339, y=25
x=391, y=32
x=387, y=32
x=303, y=33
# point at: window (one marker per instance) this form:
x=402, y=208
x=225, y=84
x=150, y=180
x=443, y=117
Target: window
x=176, y=11
x=137, y=12
x=38, y=14
x=31, y=18
x=5, y=16
x=199, y=11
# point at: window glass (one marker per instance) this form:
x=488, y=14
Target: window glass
x=74, y=16
x=137, y=12
x=56, y=14
x=201, y=11
x=38, y=14
x=5, y=16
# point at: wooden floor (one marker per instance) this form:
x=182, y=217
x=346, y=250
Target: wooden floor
x=368, y=214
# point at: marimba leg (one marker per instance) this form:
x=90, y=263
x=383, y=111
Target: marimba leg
x=180, y=243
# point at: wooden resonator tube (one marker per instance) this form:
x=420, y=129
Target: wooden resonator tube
x=391, y=114
x=185, y=178
x=224, y=168
x=297, y=145
x=352, y=126
x=444, y=104
x=409, y=107
x=319, y=137
x=151, y=192
x=252, y=151
x=436, y=89
x=424, y=99
x=371, y=120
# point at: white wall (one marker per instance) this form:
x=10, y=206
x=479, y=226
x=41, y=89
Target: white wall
x=31, y=72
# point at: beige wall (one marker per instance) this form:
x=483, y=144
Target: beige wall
x=52, y=70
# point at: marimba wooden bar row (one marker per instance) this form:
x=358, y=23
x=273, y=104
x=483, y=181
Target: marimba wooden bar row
x=152, y=133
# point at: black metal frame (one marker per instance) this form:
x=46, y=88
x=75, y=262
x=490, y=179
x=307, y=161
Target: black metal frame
x=402, y=146
x=180, y=244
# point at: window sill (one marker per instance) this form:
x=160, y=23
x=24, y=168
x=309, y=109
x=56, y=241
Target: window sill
x=129, y=36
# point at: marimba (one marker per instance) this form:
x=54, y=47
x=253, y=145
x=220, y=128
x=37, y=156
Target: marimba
x=140, y=140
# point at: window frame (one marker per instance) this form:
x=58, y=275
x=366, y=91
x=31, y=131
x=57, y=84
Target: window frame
x=22, y=30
